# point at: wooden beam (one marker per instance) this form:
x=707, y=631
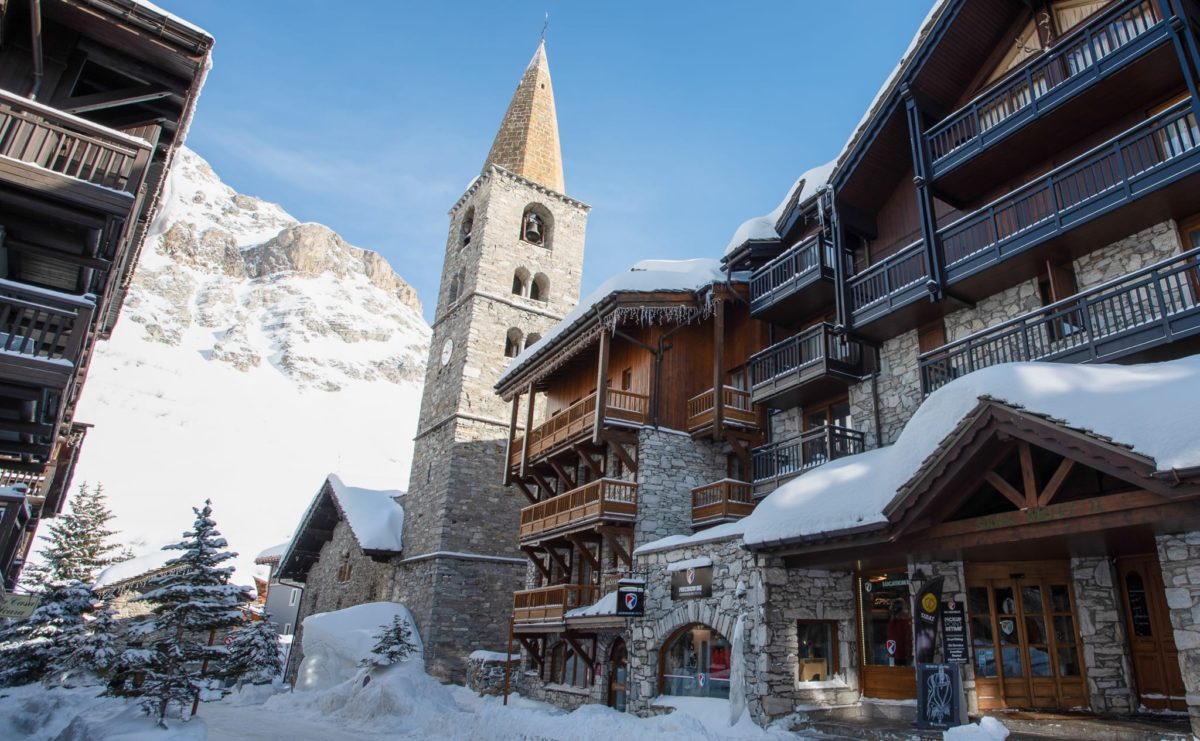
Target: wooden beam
x=1028, y=475
x=1056, y=481
x=613, y=538
x=528, y=430
x=1005, y=488
x=532, y=647
x=579, y=650
x=585, y=551
x=718, y=370
x=537, y=561
x=562, y=473
x=114, y=98
x=541, y=482
x=619, y=450
x=96, y=263
x=586, y=457
x=601, y=387
x=562, y=563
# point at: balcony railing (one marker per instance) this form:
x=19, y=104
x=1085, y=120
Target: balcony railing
x=550, y=604
x=42, y=325
x=778, y=462
x=815, y=353
x=723, y=501
x=61, y=143
x=1148, y=307
x=577, y=420
x=604, y=499
x=1107, y=42
x=736, y=405
x=796, y=268
x=1151, y=155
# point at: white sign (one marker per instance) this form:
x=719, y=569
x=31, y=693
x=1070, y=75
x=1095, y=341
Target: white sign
x=18, y=606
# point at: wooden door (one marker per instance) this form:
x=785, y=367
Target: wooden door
x=885, y=635
x=618, y=675
x=1151, y=638
x=1024, y=636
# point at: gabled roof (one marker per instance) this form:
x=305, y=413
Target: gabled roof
x=375, y=517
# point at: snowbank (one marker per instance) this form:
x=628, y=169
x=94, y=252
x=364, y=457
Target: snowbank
x=335, y=642
x=1134, y=405
x=987, y=729
x=374, y=515
x=126, y=722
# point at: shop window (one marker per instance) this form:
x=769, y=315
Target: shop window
x=568, y=668
x=695, y=663
x=886, y=620
x=816, y=650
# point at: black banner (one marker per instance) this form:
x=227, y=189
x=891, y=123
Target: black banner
x=691, y=583
x=940, y=699
x=929, y=601
x=954, y=633
x=631, y=598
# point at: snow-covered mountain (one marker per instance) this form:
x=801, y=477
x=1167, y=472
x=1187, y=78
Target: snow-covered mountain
x=254, y=355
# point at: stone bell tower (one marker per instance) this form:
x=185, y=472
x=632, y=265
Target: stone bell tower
x=511, y=270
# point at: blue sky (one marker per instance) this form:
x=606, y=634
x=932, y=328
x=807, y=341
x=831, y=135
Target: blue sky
x=678, y=120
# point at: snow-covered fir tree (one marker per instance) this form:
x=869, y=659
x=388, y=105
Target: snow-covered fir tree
x=254, y=656
x=190, y=602
x=94, y=654
x=79, y=544
x=30, y=648
x=394, y=643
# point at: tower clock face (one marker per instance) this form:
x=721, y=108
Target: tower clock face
x=447, y=349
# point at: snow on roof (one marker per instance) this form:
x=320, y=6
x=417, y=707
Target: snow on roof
x=134, y=567
x=274, y=553
x=763, y=227
x=606, y=605
x=1134, y=405
x=374, y=516
x=646, y=276
x=482, y=655
x=690, y=563
x=720, y=532
x=147, y=5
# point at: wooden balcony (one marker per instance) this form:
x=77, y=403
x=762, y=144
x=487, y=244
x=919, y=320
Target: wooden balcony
x=778, y=462
x=604, y=500
x=736, y=407
x=1146, y=309
x=546, y=606
x=44, y=149
x=575, y=423
x=810, y=365
x=798, y=282
x=1074, y=209
x=1050, y=82
x=723, y=501
x=15, y=515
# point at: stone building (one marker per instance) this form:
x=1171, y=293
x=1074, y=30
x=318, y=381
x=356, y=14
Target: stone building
x=966, y=370
x=511, y=270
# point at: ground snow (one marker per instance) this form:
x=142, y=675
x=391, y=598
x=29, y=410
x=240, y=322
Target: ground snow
x=335, y=643
x=987, y=729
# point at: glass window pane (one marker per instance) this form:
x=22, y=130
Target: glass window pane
x=887, y=620
x=1068, y=662
x=1139, y=610
x=981, y=631
x=814, y=651
x=1004, y=601
x=977, y=601
x=1064, y=629
x=1012, y=662
x=1031, y=599
x=985, y=662
x=696, y=664
x=1008, y=629
x=1039, y=661
x=1035, y=629
x=1059, y=599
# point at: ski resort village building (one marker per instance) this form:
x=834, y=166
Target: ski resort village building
x=949, y=383
x=95, y=96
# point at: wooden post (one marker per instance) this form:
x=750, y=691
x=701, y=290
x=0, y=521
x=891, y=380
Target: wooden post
x=528, y=430
x=718, y=370
x=916, y=135
x=512, y=434
x=508, y=659
x=601, y=386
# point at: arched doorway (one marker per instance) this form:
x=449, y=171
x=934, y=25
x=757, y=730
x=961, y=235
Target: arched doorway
x=694, y=662
x=618, y=675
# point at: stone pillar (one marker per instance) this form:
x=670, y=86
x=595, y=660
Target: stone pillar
x=1105, y=645
x=670, y=465
x=1179, y=557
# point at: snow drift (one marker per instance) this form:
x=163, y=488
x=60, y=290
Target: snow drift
x=335, y=643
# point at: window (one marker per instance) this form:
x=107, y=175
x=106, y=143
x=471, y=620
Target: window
x=344, y=570
x=287, y=629
x=512, y=343
x=695, y=663
x=1057, y=282
x=816, y=650
x=539, y=289
x=568, y=668
x=536, y=225
x=532, y=338
x=456, y=285
x=520, y=281
x=294, y=597
x=468, y=226
x=627, y=379
x=886, y=620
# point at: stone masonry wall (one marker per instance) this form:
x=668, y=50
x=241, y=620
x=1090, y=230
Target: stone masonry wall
x=1179, y=556
x=1102, y=630
x=899, y=386
x=1127, y=255
x=670, y=465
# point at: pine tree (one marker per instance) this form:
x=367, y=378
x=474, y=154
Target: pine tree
x=95, y=653
x=394, y=643
x=190, y=601
x=254, y=656
x=30, y=648
x=79, y=542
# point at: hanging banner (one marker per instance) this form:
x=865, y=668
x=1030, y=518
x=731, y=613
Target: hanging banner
x=929, y=602
x=954, y=633
x=631, y=598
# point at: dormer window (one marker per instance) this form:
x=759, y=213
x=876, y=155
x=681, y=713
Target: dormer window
x=533, y=229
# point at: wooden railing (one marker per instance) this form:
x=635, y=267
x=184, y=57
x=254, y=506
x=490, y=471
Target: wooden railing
x=736, y=405
x=1109, y=176
x=783, y=460
x=809, y=348
x=37, y=323
x=601, y=499
x=578, y=419
x=70, y=146
x=549, y=604
x=726, y=499
x=1084, y=54
x=1148, y=307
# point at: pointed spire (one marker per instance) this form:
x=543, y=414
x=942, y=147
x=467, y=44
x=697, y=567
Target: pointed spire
x=527, y=143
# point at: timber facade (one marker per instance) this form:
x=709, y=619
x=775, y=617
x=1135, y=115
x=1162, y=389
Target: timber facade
x=95, y=97
x=1001, y=202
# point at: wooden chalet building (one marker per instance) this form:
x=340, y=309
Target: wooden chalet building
x=1025, y=187
x=95, y=96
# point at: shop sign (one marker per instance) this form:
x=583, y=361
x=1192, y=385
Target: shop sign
x=693, y=582
x=928, y=604
x=940, y=699
x=954, y=633
x=18, y=606
x=631, y=598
